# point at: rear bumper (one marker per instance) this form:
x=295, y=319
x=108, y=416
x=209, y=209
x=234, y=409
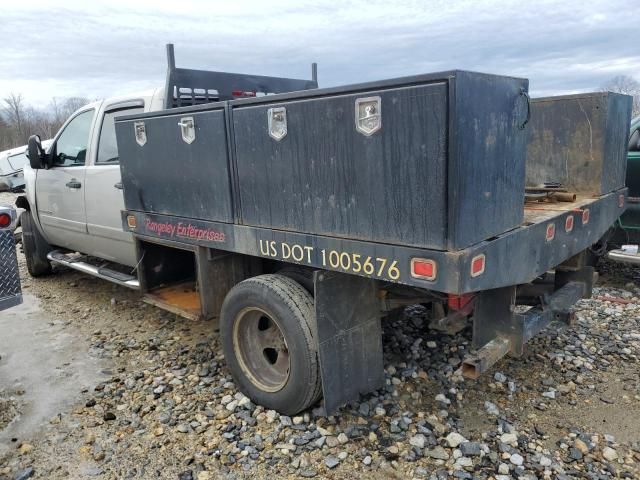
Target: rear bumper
x=624, y=257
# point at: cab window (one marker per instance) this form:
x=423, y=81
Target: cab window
x=71, y=146
x=107, y=146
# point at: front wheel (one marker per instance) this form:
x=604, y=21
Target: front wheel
x=268, y=339
x=35, y=247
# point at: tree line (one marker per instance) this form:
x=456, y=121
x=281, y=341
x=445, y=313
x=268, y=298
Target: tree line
x=18, y=120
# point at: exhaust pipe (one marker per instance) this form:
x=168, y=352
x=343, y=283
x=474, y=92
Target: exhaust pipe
x=476, y=364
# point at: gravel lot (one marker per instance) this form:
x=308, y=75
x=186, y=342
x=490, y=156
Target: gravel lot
x=154, y=399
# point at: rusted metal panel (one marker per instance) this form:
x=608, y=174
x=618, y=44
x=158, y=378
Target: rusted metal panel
x=579, y=141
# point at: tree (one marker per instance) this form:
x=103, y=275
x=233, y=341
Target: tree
x=15, y=116
x=627, y=85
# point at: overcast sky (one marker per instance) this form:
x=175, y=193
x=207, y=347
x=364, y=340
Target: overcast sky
x=97, y=49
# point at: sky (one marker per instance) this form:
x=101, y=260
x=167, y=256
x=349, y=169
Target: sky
x=97, y=49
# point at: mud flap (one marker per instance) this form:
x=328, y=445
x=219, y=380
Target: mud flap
x=349, y=337
x=10, y=291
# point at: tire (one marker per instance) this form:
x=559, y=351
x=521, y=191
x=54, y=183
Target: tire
x=253, y=315
x=35, y=247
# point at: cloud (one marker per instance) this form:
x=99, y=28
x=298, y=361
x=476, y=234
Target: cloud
x=97, y=49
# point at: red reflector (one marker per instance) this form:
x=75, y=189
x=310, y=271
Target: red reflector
x=131, y=221
x=5, y=220
x=551, y=232
x=477, y=265
x=240, y=93
x=621, y=200
x=585, y=216
x=568, y=224
x=423, y=268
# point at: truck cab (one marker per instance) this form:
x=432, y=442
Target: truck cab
x=76, y=199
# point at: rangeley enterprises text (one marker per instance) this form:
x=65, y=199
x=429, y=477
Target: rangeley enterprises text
x=184, y=230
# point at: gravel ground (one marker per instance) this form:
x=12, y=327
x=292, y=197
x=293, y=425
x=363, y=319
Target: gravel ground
x=164, y=406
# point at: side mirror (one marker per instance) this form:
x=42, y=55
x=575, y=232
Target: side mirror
x=35, y=152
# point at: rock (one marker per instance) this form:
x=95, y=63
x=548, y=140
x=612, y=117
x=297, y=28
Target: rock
x=491, y=409
x=331, y=461
x=183, y=428
x=25, y=448
x=454, y=439
x=332, y=442
x=509, y=439
x=90, y=403
x=550, y=394
x=500, y=377
x=503, y=469
x=609, y=454
x=204, y=475
x=109, y=416
x=516, y=459
x=438, y=453
x=297, y=420
x=158, y=431
x=581, y=446
x=367, y=460
x=308, y=473
x=470, y=448
x=24, y=474
x=575, y=454
x=418, y=440
x=545, y=461
x=342, y=438
x=443, y=399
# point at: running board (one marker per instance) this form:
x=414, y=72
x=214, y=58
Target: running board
x=72, y=260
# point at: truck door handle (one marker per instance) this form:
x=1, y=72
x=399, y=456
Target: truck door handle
x=118, y=185
x=73, y=183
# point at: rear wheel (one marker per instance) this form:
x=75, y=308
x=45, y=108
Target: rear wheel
x=35, y=247
x=269, y=344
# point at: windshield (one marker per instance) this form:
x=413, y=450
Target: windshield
x=18, y=161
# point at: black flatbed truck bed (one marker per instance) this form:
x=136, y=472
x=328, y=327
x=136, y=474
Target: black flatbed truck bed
x=390, y=192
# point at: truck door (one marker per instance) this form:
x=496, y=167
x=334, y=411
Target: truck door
x=60, y=188
x=103, y=193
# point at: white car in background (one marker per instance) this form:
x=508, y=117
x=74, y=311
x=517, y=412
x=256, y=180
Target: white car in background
x=12, y=164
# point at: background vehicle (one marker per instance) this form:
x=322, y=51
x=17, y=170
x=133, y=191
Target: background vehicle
x=625, y=236
x=10, y=291
x=296, y=215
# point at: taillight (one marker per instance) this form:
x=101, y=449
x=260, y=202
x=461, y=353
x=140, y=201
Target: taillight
x=241, y=93
x=568, y=224
x=477, y=265
x=585, y=216
x=424, y=269
x=5, y=220
x=621, y=200
x=131, y=222
x=551, y=232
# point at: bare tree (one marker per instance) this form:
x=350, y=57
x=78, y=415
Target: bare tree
x=15, y=116
x=627, y=85
x=18, y=120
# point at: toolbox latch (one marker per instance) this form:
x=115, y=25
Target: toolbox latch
x=277, y=122
x=188, y=129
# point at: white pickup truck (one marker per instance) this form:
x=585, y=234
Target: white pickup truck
x=73, y=204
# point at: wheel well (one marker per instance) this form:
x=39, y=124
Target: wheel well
x=22, y=202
